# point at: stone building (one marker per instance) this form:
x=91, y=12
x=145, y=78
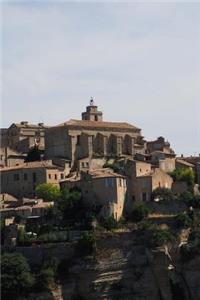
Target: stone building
x=159, y=145
x=21, y=137
x=102, y=188
x=92, y=137
x=10, y=157
x=21, y=181
x=142, y=180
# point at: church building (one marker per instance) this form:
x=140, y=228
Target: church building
x=93, y=137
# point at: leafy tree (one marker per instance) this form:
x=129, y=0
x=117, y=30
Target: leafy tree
x=70, y=204
x=34, y=154
x=140, y=212
x=110, y=223
x=162, y=236
x=85, y=245
x=190, y=199
x=184, y=174
x=16, y=278
x=163, y=194
x=184, y=220
x=48, y=192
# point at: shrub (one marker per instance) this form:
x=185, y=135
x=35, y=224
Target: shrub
x=110, y=223
x=190, y=250
x=162, y=236
x=45, y=278
x=140, y=212
x=184, y=174
x=164, y=194
x=85, y=245
x=184, y=220
x=16, y=277
x=190, y=199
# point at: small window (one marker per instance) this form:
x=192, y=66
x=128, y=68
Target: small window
x=16, y=177
x=78, y=140
x=96, y=118
x=83, y=164
x=34, y=177
x=61, y=176
x=55, y=176
x=144, y=197
x=87, y=164
x=25, y=176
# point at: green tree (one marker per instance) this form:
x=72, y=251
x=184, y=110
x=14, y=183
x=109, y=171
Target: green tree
x=163, y=194
x=184, y=220
x=85, y=245
x=48, y=192
x=184, y=174
x=162, y=236
x=16, y=278
x=110, y=223
x=70, y=204
x=34, y=154
x=140, y=212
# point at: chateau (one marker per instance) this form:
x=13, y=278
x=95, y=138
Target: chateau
x=93, y=137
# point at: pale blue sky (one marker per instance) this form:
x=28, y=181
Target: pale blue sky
x=141, y=62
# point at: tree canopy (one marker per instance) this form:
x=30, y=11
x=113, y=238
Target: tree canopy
x=16, y=278
x=184, y=174
x=34, y=154
x=48, y=191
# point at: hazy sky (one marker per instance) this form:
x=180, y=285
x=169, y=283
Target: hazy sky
x=141, y=62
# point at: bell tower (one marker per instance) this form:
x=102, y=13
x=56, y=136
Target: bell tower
x=92, y=113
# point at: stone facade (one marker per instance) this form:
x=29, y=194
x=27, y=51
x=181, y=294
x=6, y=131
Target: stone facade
x=142, y=180
x=92, y=137
x=159, y=145
x=22, y=136
x=21, y=181
x=101, y=188
x=10, y=157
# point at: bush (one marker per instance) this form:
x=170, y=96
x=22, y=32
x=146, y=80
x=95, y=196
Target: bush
x=16, y=278
x=110, y=223
x=45, y=278
x=85, y=245
x=184, y=220
x=190, y=199
x=184, y=174
x=192, y=249
x=163, y=194
x=140, y=212
x=162, y=236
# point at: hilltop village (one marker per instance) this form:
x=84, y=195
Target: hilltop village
x=65, y=184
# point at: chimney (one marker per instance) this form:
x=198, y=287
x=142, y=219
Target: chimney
x=24, y=123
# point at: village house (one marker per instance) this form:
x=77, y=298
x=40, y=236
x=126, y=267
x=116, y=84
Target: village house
x=102, y=188
x=22, y=180
x=142, y=180
x=10, y=157
x=22, y=136
x=34, y=207
x=159, y=145
x=92, y=137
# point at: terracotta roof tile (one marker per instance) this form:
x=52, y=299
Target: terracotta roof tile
x=100, y=124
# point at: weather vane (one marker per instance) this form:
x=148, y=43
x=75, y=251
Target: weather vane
x=91, y=101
